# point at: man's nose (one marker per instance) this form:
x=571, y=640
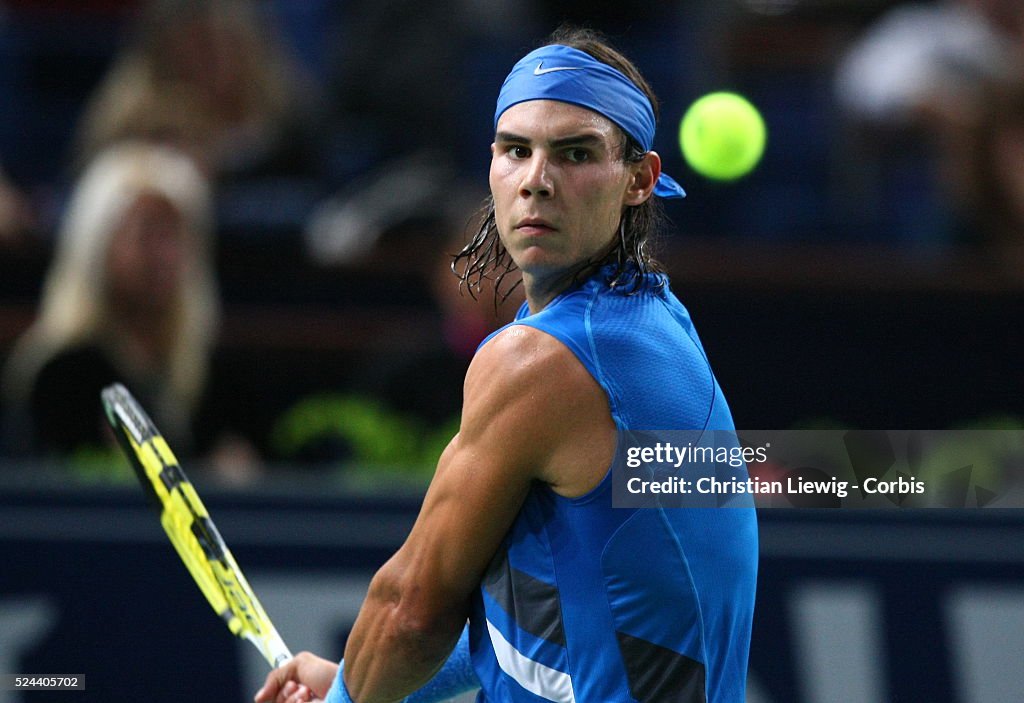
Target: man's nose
x=537, y=179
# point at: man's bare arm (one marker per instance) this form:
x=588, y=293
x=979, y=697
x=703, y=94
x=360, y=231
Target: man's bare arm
x=526, y=396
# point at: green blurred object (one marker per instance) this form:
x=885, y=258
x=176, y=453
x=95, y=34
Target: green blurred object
x=353, y=430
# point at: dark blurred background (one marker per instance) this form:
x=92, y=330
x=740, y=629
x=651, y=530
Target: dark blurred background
x=866, y=274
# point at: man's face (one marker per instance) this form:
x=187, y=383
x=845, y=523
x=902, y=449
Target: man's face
x=559, y=184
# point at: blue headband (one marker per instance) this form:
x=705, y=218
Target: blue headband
x=569, y=75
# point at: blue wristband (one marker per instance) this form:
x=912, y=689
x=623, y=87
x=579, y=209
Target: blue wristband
x=338, y=693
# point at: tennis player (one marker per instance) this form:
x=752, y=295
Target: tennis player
x=566, y=598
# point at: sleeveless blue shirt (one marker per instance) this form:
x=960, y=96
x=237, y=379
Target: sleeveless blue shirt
x=584, y=602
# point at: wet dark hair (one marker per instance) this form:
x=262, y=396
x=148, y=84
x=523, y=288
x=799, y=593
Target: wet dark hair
x=485, y=257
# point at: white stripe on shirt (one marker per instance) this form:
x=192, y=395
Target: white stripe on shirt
x=536, y=678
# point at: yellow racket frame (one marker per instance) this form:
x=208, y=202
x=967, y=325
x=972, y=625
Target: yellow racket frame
x=189, y=527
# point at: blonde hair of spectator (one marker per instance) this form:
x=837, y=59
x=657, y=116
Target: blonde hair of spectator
x=75, y=307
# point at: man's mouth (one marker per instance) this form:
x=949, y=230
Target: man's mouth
x=534, y=226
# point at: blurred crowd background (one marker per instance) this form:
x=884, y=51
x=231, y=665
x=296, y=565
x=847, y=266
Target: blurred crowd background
x=244, y=210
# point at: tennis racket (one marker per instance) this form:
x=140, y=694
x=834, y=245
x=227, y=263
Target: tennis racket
x=189, y=526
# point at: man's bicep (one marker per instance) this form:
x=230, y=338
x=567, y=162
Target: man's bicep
x=475, y=496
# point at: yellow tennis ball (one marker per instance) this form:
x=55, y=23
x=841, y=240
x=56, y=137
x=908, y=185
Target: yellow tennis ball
x=722, y=136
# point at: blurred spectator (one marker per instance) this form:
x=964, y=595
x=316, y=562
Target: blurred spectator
x=16, y=216
x=210, y=78
x=427, y=384
x=404, y=405
x=984, y=167
x=406, y=75
x=129, y=297
x=926, y=88
x=927, y=61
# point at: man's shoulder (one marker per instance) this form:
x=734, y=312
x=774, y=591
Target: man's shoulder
x=527, y=363
x=521, y=352
x=526, y=384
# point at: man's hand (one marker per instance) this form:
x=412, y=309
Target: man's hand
x=307, y=677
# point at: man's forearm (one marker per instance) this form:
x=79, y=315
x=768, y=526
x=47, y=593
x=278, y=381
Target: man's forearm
x=389, y=656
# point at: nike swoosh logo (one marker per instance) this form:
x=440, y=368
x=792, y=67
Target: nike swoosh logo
x=539, y=71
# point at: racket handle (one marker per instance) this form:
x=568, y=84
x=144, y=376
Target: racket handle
x=276, y=651
x=272, y=647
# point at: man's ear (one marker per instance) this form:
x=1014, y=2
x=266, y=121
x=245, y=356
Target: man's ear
x=645, y=176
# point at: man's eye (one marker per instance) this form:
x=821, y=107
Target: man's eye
x=518, y=152
x=577, y=156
